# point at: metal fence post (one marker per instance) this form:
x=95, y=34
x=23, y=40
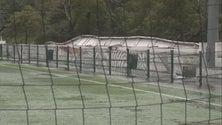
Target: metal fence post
x=14, y=52
x=1, y=51
x=29, y=52
x=148, y=63
x=127, y=63
x=200, y=68
x=37, y=55
x=110, y=59
x=172, y=66
x=7, y=49
x=94, y=59
x=57, y=56
x=21, y=53
x=67, y=61
x=80, y=61
x=46, y=53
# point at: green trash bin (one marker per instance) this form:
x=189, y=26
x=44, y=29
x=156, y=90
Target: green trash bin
x=50, y=55
x=132, y=62
x=189, y=71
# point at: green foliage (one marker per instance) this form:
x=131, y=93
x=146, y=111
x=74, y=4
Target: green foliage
x=59, y=20
x=24, y=24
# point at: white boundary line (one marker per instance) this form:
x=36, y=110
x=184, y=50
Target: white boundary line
x=155, y=93
x=139, y=90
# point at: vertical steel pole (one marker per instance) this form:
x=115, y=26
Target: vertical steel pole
x=14, y=52
x=46, y=53
x=57, y=56
x=80, y=54
x=94, y=59
x=29, y=52
x=21, y=53
x=127, y=63
x=110, y=59
x=148, y=63
x=1, y=51
x=7, y=49
x=200, y=68
x=37, y=55
x=213, y=7
x=172, y=66
x=67, y=61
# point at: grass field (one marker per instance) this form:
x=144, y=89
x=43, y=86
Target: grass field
x=31, y=95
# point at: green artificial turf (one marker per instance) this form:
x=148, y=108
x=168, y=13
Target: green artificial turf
x=47, y=96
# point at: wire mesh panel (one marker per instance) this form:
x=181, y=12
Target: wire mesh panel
x=87, y=57
x=118, y=58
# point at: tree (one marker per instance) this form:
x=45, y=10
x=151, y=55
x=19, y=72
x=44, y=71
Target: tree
x=61, y=20
x=176, y=19
x=26, y=25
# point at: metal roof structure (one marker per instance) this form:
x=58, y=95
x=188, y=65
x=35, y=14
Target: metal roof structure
x=132, y=41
